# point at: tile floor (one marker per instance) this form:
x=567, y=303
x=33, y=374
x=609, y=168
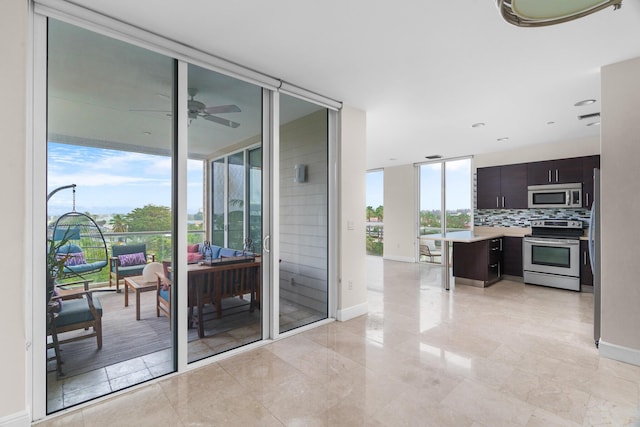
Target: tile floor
x=507, y=355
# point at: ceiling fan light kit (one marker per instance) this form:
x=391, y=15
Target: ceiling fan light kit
x=540, y=13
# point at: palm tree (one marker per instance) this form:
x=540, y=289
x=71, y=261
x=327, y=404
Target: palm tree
x=119, y=223
x=369, y=212
x=379, y=212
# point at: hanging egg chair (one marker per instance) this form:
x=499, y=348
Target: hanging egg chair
x=83, y=242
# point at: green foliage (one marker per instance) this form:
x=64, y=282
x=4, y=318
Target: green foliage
x=149, y=218
x=376, y=213
x=374, y=246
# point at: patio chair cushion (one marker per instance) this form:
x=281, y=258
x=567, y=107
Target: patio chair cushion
x=77, y=311
x=215, y=251
x=134, y=270
x=193, y=248
x=84, y=267
x=226, y=253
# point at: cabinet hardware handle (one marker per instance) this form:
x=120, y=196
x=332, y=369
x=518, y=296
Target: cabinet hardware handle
x=497, y=203
x=495, y=249
x=503, y=201
x=557, y=175
x=549, y=175
x=587, y=194
x=584, y=257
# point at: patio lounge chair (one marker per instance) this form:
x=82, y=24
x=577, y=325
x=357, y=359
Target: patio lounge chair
x=127, y=261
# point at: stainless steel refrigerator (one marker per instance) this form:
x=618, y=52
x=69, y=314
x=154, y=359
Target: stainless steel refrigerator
x=594, y=253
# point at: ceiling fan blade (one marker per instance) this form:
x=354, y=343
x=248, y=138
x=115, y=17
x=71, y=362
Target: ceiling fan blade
x=220, y=120
x=145, y=110
x=222, y=109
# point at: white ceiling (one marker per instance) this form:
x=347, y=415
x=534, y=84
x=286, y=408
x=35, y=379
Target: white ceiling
x=424, y=71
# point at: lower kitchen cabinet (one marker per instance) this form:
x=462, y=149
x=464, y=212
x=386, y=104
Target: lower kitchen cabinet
x=512, y=255
x=586, y=275
x=479, y=262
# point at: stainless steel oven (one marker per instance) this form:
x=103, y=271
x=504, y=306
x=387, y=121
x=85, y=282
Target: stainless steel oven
x=552, y=254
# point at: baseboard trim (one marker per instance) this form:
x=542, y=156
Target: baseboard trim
x=399, y=258
x=19, y=419
x=620, y=353
x=352, y=312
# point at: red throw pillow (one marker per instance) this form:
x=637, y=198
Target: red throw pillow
x=193, y=248
x=192, y=258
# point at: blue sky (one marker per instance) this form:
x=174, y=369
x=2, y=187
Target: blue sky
x=111, y=181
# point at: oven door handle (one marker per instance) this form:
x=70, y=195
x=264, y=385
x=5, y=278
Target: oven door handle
x=552, y=242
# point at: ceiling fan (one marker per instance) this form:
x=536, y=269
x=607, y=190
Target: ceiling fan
x=199, y=109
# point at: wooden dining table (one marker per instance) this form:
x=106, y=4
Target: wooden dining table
x=219, y=279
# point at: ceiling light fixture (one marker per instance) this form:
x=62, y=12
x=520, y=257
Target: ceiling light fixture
x=551, y=123
x=536, y=13
x=433, y=157
x=478, y=125
x=584, y=102
x=504, y=138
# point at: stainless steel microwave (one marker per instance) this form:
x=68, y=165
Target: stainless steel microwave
x=555, y=196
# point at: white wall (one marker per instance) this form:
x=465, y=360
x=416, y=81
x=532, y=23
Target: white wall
x=13, y=175
x=400, y=213
x=620, y=209
x=352, y=293
x=538, y=152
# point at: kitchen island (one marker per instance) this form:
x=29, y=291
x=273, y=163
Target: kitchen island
x=466, y=236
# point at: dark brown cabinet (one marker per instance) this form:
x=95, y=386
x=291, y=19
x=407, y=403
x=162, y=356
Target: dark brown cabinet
x=588, y=165
x=586, y=275
x=502, y=187
x=512, y=255
x=479, y=261
x=561, y=171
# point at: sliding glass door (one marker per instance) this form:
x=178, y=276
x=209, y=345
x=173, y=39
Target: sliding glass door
x=110, y=151
x=144, y=155
x=225, y=132
x=304, y=213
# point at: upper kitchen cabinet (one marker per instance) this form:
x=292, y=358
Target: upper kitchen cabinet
x=560, y=171
x=502, y=187
x=588, y=165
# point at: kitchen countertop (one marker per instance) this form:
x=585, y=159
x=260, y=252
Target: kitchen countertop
x=478, y=233
x=462, y=236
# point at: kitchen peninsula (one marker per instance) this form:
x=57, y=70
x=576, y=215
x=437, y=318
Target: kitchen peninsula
x=480, y=251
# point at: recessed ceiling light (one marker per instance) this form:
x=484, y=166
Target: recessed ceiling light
x=393, y=158
x=146, y=133
x=478, y=125
x=433, y=157
x=551, y=123
x=504, y=138
x=593, y=124
x=585, y=102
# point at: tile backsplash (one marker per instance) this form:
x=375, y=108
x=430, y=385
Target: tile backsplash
x=523, y=217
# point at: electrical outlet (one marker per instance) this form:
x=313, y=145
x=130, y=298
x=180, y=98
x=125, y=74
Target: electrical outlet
x=350, y=285
x=292, y=282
